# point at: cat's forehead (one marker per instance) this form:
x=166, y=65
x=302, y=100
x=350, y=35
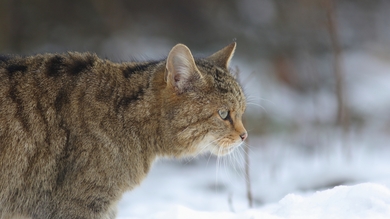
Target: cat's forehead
x=224, y=82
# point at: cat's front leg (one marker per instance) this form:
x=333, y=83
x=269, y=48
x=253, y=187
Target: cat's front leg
x=111, y=213
x=77, y=208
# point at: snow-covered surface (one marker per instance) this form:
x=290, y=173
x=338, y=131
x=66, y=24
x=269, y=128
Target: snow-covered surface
x=304, y=172
x=286, y=183
x=366, y=200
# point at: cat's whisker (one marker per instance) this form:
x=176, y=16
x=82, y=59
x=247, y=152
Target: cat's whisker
x=208, y=160
x=236, y=160
x=237, y=164
x=182, y=131
x=245, y=162
x=203, y=148
x=211, y=153
x=218, y=166
x=258, y=105
x=249, y=147
x=256, y=99
x=240, y=156
x=231, y=159
x=252, y=102
x=213, y=141
x=225, y=164
x=228, y=164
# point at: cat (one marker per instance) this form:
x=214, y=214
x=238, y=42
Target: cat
x=77, y=131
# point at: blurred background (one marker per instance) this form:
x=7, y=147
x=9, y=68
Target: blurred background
x=316, y=73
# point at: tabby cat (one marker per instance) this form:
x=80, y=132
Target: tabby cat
x=77, y=131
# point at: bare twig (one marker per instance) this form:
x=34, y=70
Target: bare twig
x=246, y=156
x=247, y=176
x=230, y=202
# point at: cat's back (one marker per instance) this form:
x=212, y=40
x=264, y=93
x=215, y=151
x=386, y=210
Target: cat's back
x=45, y=69
x=35, y=76
x=34, y=91
x=43, y=102
x=34, y=94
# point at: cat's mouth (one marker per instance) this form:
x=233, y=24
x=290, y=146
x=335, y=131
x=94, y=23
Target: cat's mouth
x=218, y=146
x=223, y=150
x=224, y=147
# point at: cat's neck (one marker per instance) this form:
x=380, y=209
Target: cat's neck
x=143, y=93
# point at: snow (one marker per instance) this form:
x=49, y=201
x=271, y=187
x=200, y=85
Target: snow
x=306, y=171
x=293, y=186
x=369, y=84
x=366, y=200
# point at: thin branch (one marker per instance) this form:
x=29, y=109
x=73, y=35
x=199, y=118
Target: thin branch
x=246, y=156
x=230, y=202
x=247, y=176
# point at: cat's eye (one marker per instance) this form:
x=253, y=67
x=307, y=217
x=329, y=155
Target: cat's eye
x=223, y=113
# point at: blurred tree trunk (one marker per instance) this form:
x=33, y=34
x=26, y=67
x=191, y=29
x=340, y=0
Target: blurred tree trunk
x=11, y=25
x=342, y=111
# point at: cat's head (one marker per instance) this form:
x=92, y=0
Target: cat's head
x=205, y=104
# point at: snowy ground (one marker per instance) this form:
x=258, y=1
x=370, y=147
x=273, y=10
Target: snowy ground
x=286, y=184
x=308, y=172
x=366, y=200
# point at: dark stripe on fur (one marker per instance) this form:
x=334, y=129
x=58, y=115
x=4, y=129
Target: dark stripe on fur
x=128, y=71
x=79, y=65
x=64, y=165
x=99, y=204
x=125, y=101
x=4, y=58
x=16, y=68
x=229, y=118
x=61, y=99
x=104, y=95
x=20, y=115
x=41, y=112
x=54, y=66
x=218, y=78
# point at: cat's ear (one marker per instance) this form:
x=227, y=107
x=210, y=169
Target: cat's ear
x=222, y=57
x=181, y=70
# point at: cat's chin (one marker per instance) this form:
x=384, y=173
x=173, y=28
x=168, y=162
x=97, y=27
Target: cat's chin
x=218, y=148
x=223, y=150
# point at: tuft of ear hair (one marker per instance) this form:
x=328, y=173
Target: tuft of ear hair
x=181, y=70
x=222, y=57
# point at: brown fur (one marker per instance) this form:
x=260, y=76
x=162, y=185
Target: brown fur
x=77, y=131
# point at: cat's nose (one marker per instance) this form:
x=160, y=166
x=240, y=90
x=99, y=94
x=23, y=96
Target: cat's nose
x=244, y=136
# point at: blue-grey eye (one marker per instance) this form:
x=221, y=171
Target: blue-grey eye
x=223, y=113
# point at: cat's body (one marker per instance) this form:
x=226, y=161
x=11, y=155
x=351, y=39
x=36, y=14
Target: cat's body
x=77, y=131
